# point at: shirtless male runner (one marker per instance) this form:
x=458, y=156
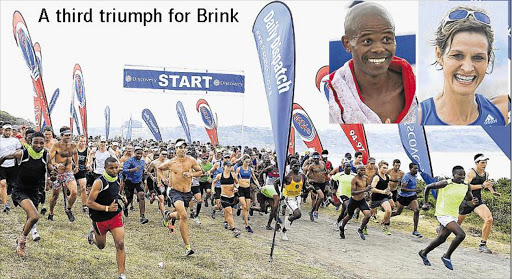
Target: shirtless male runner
x=159, y=184
x=49, y=141
x=359, y=187
x=315, y=171
x=63, y=154
x=395, y=178
x=182, y=169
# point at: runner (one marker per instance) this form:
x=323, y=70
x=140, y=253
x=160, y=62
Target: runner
x=196, y=191
x=381, y=195
x=228, y=197
x=217, y=169
x=359, y=186
x=133, y=171
x=407, y=197
x=293, y=184
x=205, y=181
x=105, y=212
x=395, y=178
x=244, y=174
x=33, y=164
x=182, y=169
x=8, y=169
x=358, y=160
x=158, y=186
x=82, y=151
x=269, y=196
x=344, y=180
x=63, y=154
x=477, y=178
x=315, y=171
x=97, y=159
x=450, y=194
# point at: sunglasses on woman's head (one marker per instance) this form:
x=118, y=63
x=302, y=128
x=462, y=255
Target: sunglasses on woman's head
x=463, y=14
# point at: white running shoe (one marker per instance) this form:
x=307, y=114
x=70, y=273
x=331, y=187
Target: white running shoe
x=283, y=236
x=35, y=235
x=335, y=226
x=198, y=222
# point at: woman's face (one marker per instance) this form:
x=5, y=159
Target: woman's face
x=464, y=62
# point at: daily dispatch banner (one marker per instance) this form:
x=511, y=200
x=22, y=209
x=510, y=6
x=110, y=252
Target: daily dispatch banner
x=182, y=80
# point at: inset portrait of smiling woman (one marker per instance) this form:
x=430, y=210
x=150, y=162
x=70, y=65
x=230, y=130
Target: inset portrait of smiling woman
x=465, y=53
x=375, y=86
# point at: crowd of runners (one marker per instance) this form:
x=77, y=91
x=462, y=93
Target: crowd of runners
x=110, y=176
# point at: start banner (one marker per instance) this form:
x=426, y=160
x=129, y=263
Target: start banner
x=140, y=77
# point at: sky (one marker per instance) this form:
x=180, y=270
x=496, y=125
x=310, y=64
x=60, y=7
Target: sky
x=103, y=49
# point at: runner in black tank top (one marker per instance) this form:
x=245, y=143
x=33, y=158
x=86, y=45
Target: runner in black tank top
x=105, y=212
x=80, y=176
x=381, y=195
x=477, y=177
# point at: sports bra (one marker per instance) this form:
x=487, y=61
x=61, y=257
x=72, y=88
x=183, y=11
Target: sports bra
x=226, y=180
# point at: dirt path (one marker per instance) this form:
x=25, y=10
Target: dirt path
x=379, y=256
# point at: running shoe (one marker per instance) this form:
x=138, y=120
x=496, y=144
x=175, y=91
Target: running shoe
x=335, y=226
x=315, y=214
x=342, y=233
x=6, y=209
x=90, y=236
x=417, y=234
x=424, y=258
x=70, y=216
x=189, y=252
x=311, y=217
x=365, y=231
x=50, y=217
x=238, y=211
x=20, y=246
x=269, y=228
x=43, y=211
x=386, y=230
x=125, y=211
x=361, y=234
x=84, y=208
x=213, y=214
x=226, y=225
x=192, y=215
x=196, y=219
x=35, y=235
x=132, y=208
x=284, y=237
x=122, y=276
x=375, y=219
x=143, y=220
x=483, y=249
x=248, y=229
x=447, y=262
x=236, y=232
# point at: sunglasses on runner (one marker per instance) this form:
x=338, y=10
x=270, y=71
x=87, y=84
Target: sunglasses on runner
x=463, y=14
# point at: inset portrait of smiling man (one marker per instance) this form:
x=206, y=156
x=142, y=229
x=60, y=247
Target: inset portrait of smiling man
x=375, y=86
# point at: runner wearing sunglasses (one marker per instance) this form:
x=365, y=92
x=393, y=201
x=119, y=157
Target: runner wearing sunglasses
x=464, y=51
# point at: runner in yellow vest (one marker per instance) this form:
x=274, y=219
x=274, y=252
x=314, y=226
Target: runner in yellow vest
x=450, y=195
x=344, y=180
x=293, y=184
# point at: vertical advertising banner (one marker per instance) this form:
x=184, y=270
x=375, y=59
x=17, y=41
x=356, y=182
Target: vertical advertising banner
x=275, y=41
x=305, y=128
x=24, y=42
x=357, y=138
x=79, y=91
x=415, y=145
x=209, y=120
x=291, y=144
x=150, y=120
x=107, y=122
x=180, y=110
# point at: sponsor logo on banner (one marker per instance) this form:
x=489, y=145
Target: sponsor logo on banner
x=28, y=51
x=142, y=78
x=79, y=88
x=207, y=116
x=303, y=125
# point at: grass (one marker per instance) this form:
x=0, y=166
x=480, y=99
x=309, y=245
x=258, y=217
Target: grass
x=63, y=250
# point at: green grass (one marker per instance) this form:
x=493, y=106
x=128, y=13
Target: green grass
x=63, y=250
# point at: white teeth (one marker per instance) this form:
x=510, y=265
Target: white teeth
x=464, y=78
x=377, y=61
